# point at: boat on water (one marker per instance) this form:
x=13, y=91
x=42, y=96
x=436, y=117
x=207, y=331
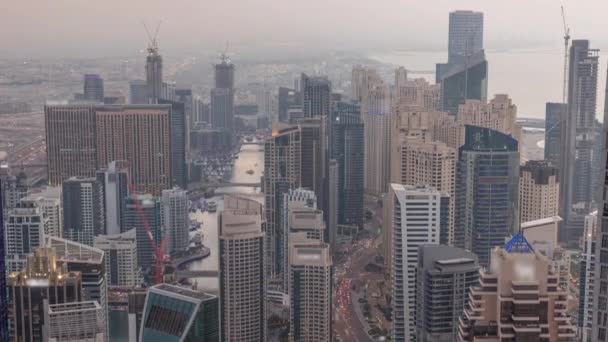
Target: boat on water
x=212, y=206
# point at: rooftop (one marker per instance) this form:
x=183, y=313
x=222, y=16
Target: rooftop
x=70, y=251
x=182, y=291
x=518, y=244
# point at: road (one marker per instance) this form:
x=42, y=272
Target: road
x=351, y=273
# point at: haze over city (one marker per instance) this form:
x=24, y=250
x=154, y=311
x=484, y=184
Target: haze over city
x=280, y=171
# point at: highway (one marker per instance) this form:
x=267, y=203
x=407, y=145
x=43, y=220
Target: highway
x=351, y=275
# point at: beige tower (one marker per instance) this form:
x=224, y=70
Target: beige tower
x=426, y=163
x=538, y=191
x=518, y=299
x=310, y=267
x=70, y=141
x=138, y=134
x=242, y=276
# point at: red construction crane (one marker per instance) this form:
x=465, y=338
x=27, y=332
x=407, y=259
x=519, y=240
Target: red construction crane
x=158, y=248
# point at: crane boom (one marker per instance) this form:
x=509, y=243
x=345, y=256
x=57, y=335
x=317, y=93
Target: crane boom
x=566, y=43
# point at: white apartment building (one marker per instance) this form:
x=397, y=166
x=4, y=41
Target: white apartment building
x=415, y=222
x=121, y=258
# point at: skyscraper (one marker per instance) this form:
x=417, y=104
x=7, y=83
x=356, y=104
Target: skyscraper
x=154, y=73
x=115, y=185
x=432, y=163
x=578, y=140
x=310, y=282
x=83, y=210
x=375, y=112
x=600, y=328
x=465, y=36
x=139, y=210
x=487, y=191
x=179, y=314
x=42, y=280
x=3, y=305
x=538, y=191
x=282, y=170
x=178, y=132
x=463, y=81
x=530, y=305
x=141, y=136
x=174, y=204
x=445, y=275
x=90, y=263
x=93, y=88
x=292, y=200
x=24, y=232
x=224, y=73
x=242, y=275
x=222, y=96
x=121, y=258
x=316, y=96
x=554, y=114
x=415, y=221
x=314, y=157
x=70, y=141
x=347, y=145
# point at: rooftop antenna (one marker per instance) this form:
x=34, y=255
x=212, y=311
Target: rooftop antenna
x=566, y=41
x=224, y=55
x=153, y=43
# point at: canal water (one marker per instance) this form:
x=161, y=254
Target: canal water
x=251, y=157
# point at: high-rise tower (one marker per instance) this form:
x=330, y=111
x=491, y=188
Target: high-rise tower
x=466, y=35
x=600, y=297
x=487, y=191
x=83, y=210
x=578, y=141
x=93, y=88
x=154, y=71
x=282, y=172
x=242, y=276
x=415, y=221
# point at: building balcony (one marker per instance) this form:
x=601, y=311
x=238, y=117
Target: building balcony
x=526, y=328
x=519, y=318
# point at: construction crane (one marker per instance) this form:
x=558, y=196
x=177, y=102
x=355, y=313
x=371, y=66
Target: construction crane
x=157, y=247
x=566, y=44
x=224, y=55
x=153, y=45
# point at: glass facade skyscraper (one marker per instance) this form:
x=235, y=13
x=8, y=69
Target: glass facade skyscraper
x=487, y=191
x=174, y=313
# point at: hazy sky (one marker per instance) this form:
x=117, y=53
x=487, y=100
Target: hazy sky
x=86, y=28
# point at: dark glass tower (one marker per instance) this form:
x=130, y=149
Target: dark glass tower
x=553, y=127
x=464, y=81
x=346, y=140
x=487, y=191
x=93, y=87
x=177, y=134
x=316, y=96
x=579, y=138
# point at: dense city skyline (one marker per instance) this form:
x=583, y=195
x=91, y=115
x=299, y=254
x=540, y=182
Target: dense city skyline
x=28, y=24
x=332, y=198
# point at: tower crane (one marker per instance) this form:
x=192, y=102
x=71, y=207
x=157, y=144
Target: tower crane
x=566, y=44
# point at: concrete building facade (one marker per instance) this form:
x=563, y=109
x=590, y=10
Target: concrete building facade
x=415, y=222
x=242, y=274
